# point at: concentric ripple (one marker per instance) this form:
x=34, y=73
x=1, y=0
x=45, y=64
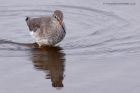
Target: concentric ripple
x=89, y=31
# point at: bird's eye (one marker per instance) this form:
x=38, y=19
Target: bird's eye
x=55, y=16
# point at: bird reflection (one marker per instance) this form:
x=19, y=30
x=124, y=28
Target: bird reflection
x=51, y=61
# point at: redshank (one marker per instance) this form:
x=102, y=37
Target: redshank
x=47, y=30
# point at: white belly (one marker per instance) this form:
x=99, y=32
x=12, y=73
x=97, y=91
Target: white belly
x=39, y=39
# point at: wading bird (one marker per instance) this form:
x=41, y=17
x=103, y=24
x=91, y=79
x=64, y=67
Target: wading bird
x=47, y=30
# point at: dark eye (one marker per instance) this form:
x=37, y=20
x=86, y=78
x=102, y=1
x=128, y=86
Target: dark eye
x=55, y=16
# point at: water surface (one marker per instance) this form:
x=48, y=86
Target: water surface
x=100, y=52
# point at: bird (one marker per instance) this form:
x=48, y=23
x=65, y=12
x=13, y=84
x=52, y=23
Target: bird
x=47, y=30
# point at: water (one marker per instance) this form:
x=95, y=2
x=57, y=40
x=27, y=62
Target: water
x=100, y=53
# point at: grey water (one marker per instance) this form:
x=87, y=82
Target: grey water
x=100, y=53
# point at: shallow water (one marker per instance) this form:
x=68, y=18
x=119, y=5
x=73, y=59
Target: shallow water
x=100, y=52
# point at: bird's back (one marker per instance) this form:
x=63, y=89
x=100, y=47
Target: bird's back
x=39, y=23
x=46, y=30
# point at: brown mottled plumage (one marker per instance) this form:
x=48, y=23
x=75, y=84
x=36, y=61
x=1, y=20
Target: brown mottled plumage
x=48, y=30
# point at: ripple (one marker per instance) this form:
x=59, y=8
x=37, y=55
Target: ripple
x=88, y=29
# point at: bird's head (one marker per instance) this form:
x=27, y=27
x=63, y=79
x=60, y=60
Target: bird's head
x=58, y=15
